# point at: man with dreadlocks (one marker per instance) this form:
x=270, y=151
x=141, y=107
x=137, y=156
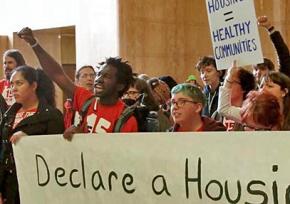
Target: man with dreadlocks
x=105, y=106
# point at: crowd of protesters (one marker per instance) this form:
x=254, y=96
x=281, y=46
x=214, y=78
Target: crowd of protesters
x=111, y=98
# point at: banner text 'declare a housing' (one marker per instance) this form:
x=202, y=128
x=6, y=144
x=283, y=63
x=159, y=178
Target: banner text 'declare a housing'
x=204, y=168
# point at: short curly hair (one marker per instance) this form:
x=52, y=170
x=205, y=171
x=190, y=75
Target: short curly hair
x=207, y=61
x=124, y=72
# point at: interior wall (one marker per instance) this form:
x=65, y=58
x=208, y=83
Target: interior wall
x=167, y=37
x=60, y=43
x=3, y=46
x=158, y=37
x=36, y=14
x=163, y=37
x=96, y=31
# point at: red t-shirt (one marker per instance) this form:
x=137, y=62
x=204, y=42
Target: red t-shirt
x=102, y=118
x=229, y=124
x=68, y=113
x=20, y=115
x=6, y=91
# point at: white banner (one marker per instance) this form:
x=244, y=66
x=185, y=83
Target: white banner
x=203, y=168
x=234, y=32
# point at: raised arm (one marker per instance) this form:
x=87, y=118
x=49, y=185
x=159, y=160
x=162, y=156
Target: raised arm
x=225, y=108
x=282, y=50
x=48, y=63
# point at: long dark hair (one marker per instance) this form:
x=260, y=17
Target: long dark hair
x=247, y=81
x=45, y=90
x=284, y=82
x=16, y=55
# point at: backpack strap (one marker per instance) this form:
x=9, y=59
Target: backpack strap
x=84, y=110
x=125, y=115
x=128, y=112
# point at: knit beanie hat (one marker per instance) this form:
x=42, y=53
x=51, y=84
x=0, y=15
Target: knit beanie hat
x=169, y=81
x=160, y=90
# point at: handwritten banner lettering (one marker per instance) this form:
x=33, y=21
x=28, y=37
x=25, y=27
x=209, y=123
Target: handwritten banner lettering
x=204, y=168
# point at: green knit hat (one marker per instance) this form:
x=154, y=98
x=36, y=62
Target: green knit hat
x=191, y=78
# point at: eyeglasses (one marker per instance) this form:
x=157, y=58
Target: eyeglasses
x=88, y=75
x=180, y=103
x=132, y=93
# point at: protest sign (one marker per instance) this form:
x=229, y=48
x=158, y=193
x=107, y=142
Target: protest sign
x=234, y=32
x=204, y=168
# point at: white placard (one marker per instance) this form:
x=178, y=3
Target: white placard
x=203, y=168
x=234, y=32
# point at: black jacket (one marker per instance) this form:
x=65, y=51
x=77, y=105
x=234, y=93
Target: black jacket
x=3, y=107
x=282, y=52
x=47, y=120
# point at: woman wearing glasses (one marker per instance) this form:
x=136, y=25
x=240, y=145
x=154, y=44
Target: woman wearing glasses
x=238, y=83
x=276, y=84
x=187, y=102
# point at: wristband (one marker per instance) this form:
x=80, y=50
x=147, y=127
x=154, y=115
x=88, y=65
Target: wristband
x=35, y=44
x=271, y=29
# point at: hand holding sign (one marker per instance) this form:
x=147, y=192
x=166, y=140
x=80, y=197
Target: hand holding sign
x=234, y=32
x=263, y=21
x=231, y=73
x=69, y=132
x=17, y=136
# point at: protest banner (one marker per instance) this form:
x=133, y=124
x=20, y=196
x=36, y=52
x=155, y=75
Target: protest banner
x=234, y=32
x=204, y=168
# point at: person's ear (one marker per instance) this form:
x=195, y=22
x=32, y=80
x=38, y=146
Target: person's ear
x=198, y=107
x=34, y=86
x=285, y=92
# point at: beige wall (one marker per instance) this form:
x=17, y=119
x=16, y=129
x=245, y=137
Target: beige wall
x=96, y=31
x=36, y=14
x=163, y=36
x=3, y=47
x=157, y=36
x=59, y=42
x=168, y=36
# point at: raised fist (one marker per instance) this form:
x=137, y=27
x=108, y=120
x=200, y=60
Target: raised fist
x=263, y=21
x=27, y=35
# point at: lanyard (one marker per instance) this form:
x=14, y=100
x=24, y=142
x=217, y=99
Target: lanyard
x=210, y=101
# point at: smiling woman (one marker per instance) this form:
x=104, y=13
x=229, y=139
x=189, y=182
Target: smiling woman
x=34, y=113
